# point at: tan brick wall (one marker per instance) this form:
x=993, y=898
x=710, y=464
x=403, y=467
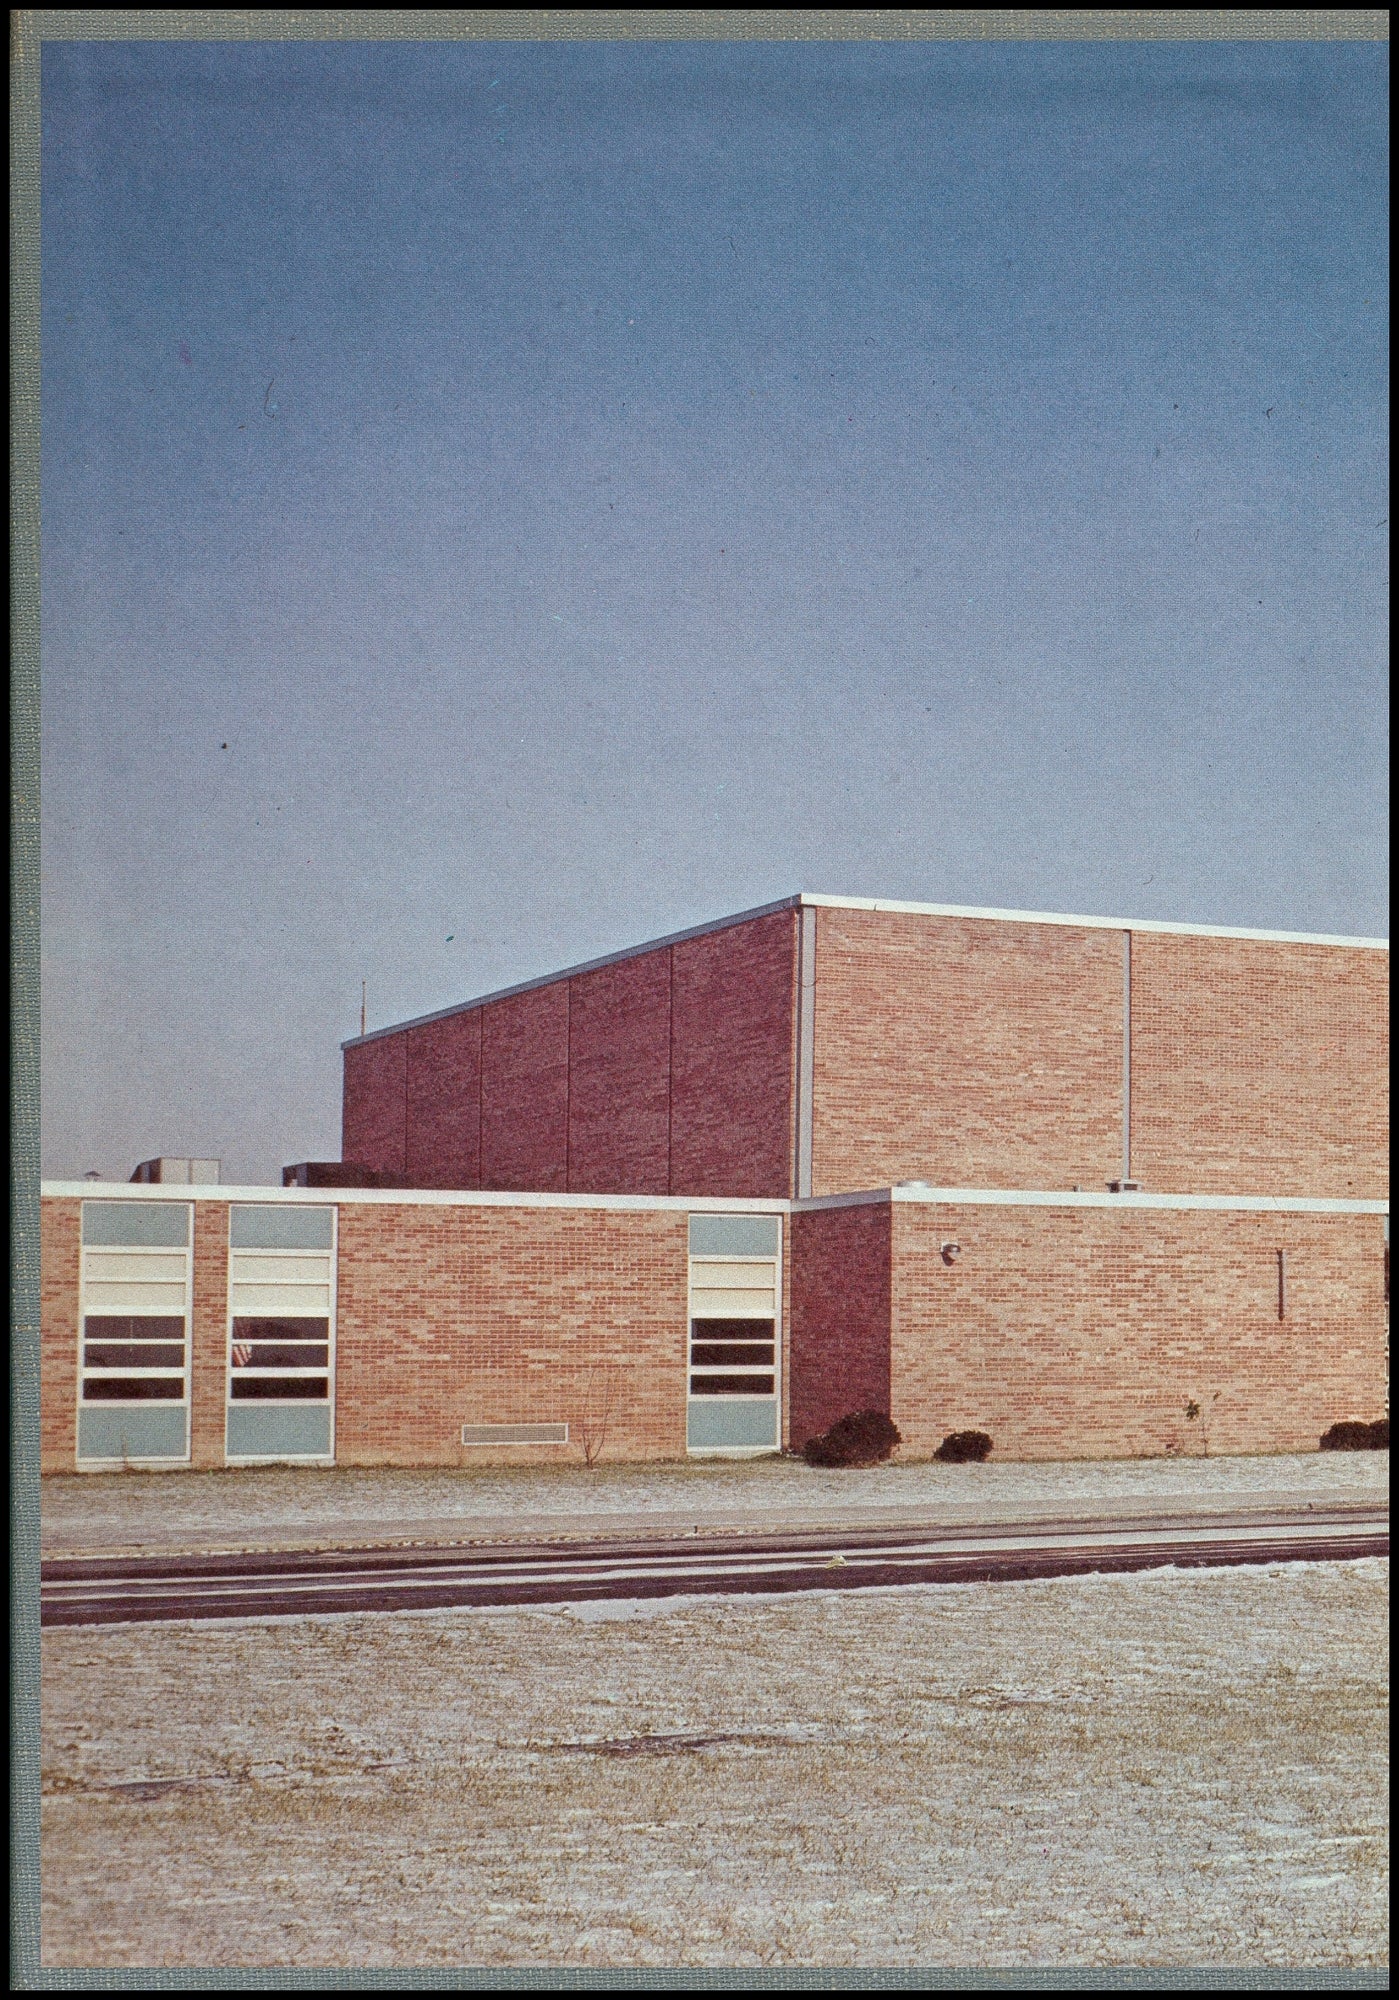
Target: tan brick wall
x=60, y=1256
x=1259, y=1068
x=1082, y=1333
x=1062, y=1332
x=971, y=1053
x=209, y=1335
x=463, y=1315
x=965, y=1053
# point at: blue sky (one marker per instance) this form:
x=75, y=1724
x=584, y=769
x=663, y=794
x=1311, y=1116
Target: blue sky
x=506, y=501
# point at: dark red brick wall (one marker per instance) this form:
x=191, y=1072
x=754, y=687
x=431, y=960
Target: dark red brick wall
x=732, y=1068
x=838, y=1336
x=1083, y=1333
x=619, y=1077
x=965, y=1053
x=449, y=1316
x=374, y=1118
x=669, y=1072
x=443, y=1148
x=524, y=1091
x=1259, y=1068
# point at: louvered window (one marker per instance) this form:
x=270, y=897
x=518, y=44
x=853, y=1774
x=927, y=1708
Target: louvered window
x=281, y=1316
x=133, y=1374
x=735, y=1321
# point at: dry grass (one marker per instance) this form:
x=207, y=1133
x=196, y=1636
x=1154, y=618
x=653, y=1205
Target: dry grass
x=1157, y=1769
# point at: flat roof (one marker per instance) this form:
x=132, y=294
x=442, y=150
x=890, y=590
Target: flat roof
x=333, y=1197
x=808, y=901
x=910, y=1191
x=916, y=1193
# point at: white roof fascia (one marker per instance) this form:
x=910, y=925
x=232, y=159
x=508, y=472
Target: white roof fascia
x=806, y=900
x=1089, y=923
x=955, y=1197
x=332, y=1197
x=951, y=1197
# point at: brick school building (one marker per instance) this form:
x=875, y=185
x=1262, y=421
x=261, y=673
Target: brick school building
x=1055, y=1178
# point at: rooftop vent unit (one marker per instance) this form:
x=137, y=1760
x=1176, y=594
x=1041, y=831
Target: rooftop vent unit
x=185, y=1173
x=338, y=1174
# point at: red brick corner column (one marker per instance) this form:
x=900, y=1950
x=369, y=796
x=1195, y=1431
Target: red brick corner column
x=839, y=1354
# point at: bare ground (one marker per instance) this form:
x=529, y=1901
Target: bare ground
x=1174, y=1768
x=278, y=1503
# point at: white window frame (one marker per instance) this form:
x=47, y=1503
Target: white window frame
x=84, y=1372
x=697, y=1265
x=332, y=1355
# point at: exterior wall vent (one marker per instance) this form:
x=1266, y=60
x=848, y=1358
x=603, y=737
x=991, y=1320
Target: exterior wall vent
x=514, y=1433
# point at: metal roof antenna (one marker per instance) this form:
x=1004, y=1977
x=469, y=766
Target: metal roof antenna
x=363, y=989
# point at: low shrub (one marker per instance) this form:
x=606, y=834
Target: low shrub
x=1358, y=1437
x=964, y=1447
x=865, y=1438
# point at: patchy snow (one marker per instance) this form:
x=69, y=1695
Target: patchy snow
x=280, y=1502
x=1167, y=1768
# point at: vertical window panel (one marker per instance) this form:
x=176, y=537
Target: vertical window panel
x=281, y=1332
x=734, y=1333
x=133, y=1349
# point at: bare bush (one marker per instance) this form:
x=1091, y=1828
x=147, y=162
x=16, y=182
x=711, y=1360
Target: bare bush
x=599, y=1406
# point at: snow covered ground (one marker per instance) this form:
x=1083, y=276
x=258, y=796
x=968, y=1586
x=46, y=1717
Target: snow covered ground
x=277, y=1502
x=1170, y=1768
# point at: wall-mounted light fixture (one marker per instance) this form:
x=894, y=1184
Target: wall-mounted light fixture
x=951, y=1252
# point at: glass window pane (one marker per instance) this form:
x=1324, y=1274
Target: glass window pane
x=136, y=1223
x=733, y=1329
x=279, y=1389
x=115, y=1433
x=731, y=1385
x=133, y=1326
x=281, y=1329
x=265, y=1354
x=134, y=1389
x=734, y=1235
x=132, y=1354
x=282, y=1227
x=732, y=1425
x=267, y=1430
x=731, y=1354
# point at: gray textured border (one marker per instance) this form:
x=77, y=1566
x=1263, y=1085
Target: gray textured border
x=29, y=27
x=776, y=24
x=876, y=1979
x=24, y=1003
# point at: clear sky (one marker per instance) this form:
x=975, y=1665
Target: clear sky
x=503, y=502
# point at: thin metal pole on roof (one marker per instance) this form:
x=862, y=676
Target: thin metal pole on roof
x=363, y=989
